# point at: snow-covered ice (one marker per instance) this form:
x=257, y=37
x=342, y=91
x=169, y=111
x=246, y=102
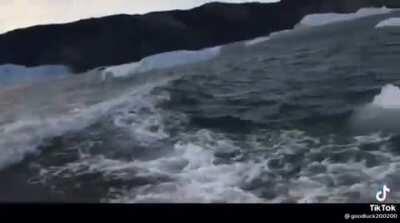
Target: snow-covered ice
x=389, y=97
x=328, y=18
x=391, y=22
x=161, y=61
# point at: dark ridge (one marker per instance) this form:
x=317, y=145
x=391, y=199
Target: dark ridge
x=118, y=39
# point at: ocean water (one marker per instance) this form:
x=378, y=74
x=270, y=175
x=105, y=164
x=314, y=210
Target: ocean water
x=308, y=116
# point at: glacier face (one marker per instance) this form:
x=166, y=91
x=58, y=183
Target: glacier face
x=161, y=61
x=329, y=18
x=388, y=98
x=391, y=22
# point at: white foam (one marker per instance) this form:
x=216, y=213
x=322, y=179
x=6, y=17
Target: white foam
x=191, y=174
x=329, y=18
x=198, y=178
x=146, y=126
x=201, y=180
x=161, y=61
x=389, y=98
x=11, y=74
x=391, y=22
x=190, y=167
x=347, y=180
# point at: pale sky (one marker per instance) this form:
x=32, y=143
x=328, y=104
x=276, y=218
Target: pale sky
x=23, y=13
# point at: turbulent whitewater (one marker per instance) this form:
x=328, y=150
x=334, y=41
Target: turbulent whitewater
x=308, y=115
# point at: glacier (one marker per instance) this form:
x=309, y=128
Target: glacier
x=389, y=98
x=161, y=61
x=391, y=22
x=321, y=19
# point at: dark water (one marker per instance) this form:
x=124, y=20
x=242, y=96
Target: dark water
x=274, y=122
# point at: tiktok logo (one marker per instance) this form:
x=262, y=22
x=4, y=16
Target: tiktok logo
x=382, y=194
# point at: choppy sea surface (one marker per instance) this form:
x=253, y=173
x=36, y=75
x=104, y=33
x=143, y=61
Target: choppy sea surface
x=308, y=116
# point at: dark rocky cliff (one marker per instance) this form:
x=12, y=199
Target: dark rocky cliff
x=126, y=38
